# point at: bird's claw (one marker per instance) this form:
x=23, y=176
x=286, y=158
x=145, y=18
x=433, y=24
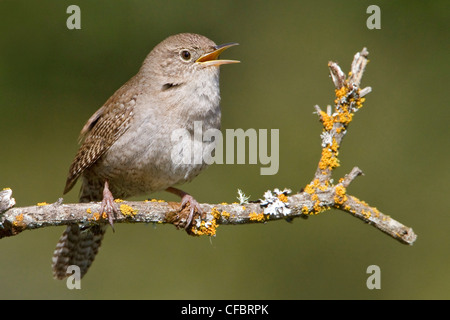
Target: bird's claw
x=108, y=206
x=194, y=207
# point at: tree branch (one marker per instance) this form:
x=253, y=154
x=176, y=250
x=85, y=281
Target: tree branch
x=319, y=195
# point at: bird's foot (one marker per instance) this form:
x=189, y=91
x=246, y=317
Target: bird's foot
x=187, y=203
x=194, y=206
x=108, y=206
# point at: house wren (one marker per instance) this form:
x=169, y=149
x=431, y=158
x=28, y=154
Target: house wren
x=127, y=145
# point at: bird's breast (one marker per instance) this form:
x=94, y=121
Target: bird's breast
x=164, y=144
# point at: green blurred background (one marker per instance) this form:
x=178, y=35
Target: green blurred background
x=52, y=79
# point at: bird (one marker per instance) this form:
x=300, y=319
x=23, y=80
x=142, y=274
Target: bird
x=126, y=146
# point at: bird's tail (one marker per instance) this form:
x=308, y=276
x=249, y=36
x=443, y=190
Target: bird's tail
x=77, y=246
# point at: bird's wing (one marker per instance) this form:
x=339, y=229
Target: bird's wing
x=102, y=129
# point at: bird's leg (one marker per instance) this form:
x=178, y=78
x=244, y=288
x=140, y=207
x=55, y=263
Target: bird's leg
x=108, y=205
x=185, y=198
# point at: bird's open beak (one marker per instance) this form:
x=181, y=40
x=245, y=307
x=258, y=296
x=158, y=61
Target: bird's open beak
x=212, y=58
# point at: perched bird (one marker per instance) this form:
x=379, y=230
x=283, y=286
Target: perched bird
x=127, y=146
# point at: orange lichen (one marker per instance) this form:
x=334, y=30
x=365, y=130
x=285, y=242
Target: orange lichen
x=257, y=217
x=225, y=214
x=318, y=208
x=209, y=230
x=327, y=120
x=345, y=114
x=358, y=102
x=329, y=159
x=334, y=146
x=215, y=213
x=376, y=212
x=127, y=210
x=310, y=189
x=305, y=210
x=18, y=220
x=347, y=101
x=207, y=227
x=282, y=197
x=154, y=200
x=366, y=213
x=341, y=93
x=96, y=216
x=88, y=210
x=344, y=117
x=340, y=129
x=324, y=186
x=40, y=204
x=118, y=200
x=340, y=197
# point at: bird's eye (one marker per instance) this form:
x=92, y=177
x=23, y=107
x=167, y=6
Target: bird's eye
x=185, y=55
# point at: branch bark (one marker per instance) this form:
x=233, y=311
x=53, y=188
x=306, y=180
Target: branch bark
x=319, y=195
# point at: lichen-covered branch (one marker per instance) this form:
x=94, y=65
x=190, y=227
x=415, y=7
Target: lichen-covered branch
x=319, y=195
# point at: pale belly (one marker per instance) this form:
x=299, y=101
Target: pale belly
x=136, y=165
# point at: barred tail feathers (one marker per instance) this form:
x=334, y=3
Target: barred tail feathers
x=77, y=246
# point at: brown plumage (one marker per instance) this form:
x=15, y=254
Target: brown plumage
x=77, y=246
x=102, y=129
